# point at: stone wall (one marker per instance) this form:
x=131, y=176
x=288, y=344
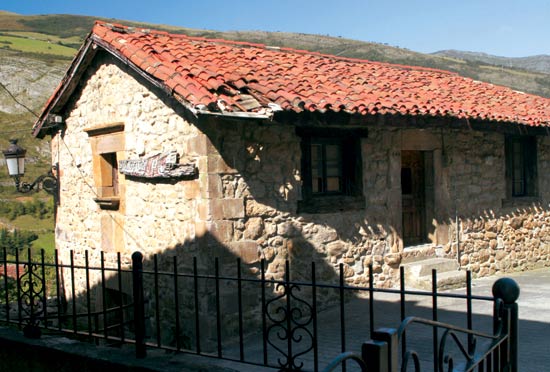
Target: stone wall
x=495, y=235
x=257, y=185
x=153, y=217
x=499, y=235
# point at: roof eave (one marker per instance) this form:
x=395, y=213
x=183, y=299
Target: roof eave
x=239, y=115
x=69, y=82
x=65, y=87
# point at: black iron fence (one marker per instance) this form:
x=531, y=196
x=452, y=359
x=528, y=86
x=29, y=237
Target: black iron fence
x=381, y=353
x=241, y=313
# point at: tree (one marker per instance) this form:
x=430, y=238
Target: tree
x=16, y=240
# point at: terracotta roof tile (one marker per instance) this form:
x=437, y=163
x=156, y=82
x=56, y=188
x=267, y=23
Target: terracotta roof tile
x=203, y=71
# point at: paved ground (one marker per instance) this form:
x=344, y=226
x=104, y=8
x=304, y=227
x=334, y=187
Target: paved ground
x=534, y=315
x=534, y=324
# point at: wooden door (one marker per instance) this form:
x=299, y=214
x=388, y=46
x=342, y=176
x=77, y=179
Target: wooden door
x=413, y=194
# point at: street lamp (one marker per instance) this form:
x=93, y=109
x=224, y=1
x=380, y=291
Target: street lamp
x=15, y=160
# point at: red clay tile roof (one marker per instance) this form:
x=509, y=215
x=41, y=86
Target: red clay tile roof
x=219, y=75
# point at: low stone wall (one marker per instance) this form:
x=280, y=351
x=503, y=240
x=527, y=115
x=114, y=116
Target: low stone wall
x=517, y=241
x=54, y=353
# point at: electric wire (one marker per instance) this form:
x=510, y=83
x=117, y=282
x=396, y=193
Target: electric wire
x=17, y=101
x=25, y=130
x=12, y=96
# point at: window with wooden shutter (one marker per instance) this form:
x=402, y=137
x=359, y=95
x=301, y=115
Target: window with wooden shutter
x=108, y=144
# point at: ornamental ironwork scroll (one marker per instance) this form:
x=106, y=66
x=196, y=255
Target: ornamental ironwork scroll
x=164, y=165
x=289, y=331
x=33, y=291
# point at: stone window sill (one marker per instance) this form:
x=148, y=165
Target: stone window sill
x=111, y=203
x=522, y=201
x=331, y=204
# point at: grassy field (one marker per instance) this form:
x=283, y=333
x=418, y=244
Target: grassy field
x=30, y=45
x=43, y=227
x=45, y=241
x=31, y=223
x=45, y=37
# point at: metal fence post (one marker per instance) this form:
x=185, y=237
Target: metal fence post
x=390, y=352
x=507, y=290
x=375, y=355
x=139, y=306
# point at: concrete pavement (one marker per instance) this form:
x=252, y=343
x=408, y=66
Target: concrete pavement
x=534, y=324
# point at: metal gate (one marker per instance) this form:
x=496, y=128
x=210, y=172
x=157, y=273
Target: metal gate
x=387, y=350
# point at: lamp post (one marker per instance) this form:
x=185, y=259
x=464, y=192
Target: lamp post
x=15, y=160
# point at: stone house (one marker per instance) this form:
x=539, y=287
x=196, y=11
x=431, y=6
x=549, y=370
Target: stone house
x=186, y=145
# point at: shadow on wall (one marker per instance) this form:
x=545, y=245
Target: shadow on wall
x=199, y=292
x=260, y=163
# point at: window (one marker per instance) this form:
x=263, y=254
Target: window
x=331, y=170
x=521, y=166
x=107, y=143
x=109, y=174
x=326, y=166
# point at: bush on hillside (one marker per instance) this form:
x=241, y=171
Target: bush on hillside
x=37, y=208
x=16, y=240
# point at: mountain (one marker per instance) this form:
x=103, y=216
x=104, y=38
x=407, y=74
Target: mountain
x=539, y=63
x=36, y=50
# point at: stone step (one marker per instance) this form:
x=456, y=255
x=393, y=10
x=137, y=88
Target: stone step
x=445, y=280
x=418, y=274
x=418, y=253
x=425, y=267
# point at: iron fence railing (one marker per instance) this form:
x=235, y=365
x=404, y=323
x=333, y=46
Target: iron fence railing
x=224, y=309
x=381, y=353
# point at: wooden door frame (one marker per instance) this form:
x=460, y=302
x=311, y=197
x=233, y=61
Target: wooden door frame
x=426, y=213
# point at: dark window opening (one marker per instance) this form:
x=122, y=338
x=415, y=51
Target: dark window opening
x=521, y=166
x=326, y=167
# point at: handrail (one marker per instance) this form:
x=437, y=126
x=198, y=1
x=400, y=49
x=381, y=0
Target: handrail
x=288, y=339
x=413, y=319
x=500, y=335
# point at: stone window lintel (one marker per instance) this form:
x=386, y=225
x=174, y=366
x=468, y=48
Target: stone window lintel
x=105, y=128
